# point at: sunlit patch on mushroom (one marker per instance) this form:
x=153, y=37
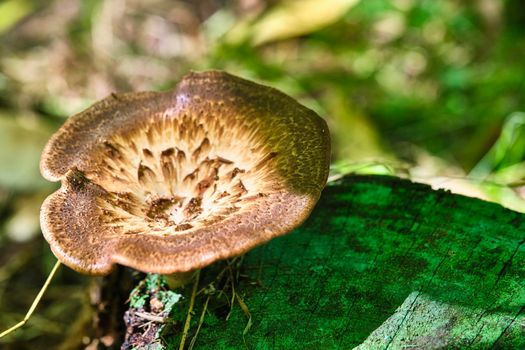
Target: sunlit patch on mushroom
x=170, y=182
x=163, y=179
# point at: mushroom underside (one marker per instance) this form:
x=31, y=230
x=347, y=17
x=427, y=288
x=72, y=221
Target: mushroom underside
x=206, y=172
x=177, y=174
x=179, y=181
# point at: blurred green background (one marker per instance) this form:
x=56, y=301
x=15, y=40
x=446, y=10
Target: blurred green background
x=429, y=90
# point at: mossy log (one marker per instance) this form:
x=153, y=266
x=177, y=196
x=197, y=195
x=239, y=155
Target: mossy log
x=382, y=263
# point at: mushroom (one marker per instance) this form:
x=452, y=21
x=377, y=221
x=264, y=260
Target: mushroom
x=169, y=182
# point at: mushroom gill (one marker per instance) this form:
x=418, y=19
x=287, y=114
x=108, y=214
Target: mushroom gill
x=170, y=182
x=176, y=173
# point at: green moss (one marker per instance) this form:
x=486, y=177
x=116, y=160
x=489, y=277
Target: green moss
x=384, y=263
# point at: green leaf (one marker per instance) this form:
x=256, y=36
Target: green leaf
x=290, y=19
x=508, y=150
x=20, y=147
x=12, y=11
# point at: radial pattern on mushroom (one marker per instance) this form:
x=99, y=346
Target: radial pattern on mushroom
x=169, y=182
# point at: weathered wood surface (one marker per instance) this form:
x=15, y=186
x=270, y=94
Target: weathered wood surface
x=382, y=263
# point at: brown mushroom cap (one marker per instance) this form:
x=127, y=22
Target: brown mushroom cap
x=173, y=181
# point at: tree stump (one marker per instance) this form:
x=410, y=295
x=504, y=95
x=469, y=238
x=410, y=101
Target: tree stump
x=382, y=263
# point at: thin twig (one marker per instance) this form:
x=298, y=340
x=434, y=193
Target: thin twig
x=150, y=317
x=232, y=302
x=201, y=321
x=248, y=314
x=190, y=309
x=35, y=302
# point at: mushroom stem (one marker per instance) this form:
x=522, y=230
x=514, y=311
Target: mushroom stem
x=35, y=302
x=178, y=280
